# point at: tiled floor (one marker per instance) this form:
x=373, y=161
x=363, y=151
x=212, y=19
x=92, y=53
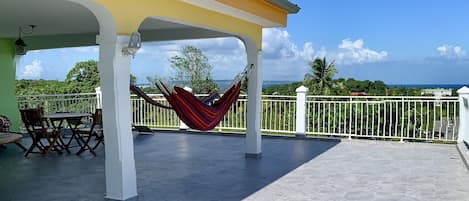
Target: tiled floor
x=202, y=167
x=376, y=170
x=169, y=167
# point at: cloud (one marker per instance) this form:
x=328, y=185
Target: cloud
x=276, y=45
x=451, y=52
x=33, y=70
x=354, y=52
x=226, y=55
x=282, y=58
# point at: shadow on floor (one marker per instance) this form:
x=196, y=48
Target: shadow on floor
x=169, y=167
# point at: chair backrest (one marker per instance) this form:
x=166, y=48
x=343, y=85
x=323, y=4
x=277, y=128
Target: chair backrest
x=32, y=119
x=97, y=119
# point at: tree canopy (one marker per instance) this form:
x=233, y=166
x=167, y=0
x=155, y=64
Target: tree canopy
x=83, y=78
x=192, y=69
x=322, y=76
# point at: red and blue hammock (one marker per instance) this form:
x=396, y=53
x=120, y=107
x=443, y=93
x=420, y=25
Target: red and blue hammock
x=195, y=113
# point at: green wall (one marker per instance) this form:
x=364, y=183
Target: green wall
x=8, y=101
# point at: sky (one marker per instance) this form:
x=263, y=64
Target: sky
x=398, y=42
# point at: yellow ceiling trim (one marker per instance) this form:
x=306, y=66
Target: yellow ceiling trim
x=130, y=14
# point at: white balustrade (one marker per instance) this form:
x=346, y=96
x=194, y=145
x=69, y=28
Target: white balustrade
x=390, y=117
x=377, y=117
x=84, y=102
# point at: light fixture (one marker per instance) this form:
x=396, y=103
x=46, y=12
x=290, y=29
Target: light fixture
x=20, y=45
x=134, y=45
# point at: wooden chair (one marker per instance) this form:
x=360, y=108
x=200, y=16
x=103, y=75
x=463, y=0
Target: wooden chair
x=94, y=130
x=38, y=129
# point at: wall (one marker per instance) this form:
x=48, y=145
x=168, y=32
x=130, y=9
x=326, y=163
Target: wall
x=8, y=101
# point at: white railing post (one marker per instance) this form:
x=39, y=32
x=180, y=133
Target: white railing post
x=99, y=98
x=463, y=133
x=182, y=125
x=301, y=111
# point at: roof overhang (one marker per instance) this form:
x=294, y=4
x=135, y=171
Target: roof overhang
x=287, y=5
x=267, y=13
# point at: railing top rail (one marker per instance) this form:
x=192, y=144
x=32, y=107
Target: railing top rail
x=388, y=97
x=241, y=95
x=56, y=95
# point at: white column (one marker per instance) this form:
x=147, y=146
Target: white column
x=301, y=111
x=463, y=131
x=253, y=134
x=114, y=69
x=99, y=98
x=182, y=125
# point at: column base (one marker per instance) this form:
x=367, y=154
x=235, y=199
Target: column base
x=298, y=135
x=251, y=155
x=135, y=198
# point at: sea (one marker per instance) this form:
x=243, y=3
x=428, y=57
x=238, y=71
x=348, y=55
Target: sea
x=223, y=84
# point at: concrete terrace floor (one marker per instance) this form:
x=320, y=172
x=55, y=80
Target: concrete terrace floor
x=174, y=166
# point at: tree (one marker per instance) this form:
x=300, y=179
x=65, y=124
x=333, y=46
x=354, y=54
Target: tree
x=84, y=77
x=322, y=74
x=192, y=69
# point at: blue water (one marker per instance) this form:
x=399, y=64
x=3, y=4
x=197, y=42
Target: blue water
x=223, y=84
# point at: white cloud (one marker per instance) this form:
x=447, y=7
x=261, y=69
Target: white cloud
x=276, y=45
x=226, y=55
x=282, y=58
x=451, y=52
x=33, y=70
x=352, y=52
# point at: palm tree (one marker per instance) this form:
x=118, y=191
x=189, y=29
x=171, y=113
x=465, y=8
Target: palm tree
x=322, y=74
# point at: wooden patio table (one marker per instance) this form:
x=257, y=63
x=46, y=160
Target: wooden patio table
x=73, y=121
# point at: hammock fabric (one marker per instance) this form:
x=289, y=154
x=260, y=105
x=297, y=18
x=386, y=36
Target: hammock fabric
x=198, y=114
x=195, y=113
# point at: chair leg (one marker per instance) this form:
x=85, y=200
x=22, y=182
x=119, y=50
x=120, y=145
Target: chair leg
x=86, y=146
x=100, y=140
x=52, y=146
x=31, y=148
x=63, y=145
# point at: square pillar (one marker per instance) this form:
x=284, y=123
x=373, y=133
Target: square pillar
x=463, y=131
x=301, y=111
x=253, y=134
x=114, y=70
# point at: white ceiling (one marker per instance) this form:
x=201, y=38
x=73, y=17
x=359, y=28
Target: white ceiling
x=52, y=17
x=56, y=17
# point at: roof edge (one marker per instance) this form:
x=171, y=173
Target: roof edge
x=287, y=5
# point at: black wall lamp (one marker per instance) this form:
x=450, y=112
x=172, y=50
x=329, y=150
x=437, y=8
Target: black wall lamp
x=20, y=45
